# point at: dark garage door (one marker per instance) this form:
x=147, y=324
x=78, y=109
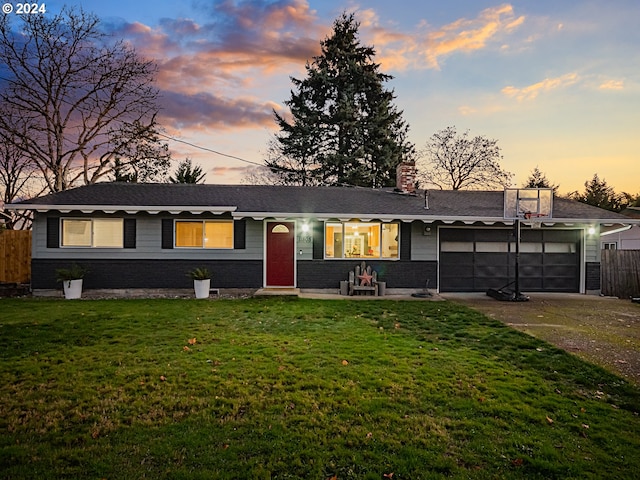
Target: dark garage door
x=473, y=260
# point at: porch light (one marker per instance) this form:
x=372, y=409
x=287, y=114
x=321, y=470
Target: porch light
x=305, y=227
x=591, y=230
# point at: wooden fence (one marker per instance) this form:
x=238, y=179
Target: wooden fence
x=15, y=256
x=620, y=273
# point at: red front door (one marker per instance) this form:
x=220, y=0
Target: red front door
x=280, y=254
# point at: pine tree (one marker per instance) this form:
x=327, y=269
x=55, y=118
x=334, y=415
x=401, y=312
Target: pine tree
x=599, y=194
x=123, y=172
x=537, y=179
x=345, y=128
x=186, y=173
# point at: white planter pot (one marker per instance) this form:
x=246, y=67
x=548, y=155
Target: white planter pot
x=72, y=289
x=202, y=288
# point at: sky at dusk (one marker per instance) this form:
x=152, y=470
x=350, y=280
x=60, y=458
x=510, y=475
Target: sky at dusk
x=557, y=83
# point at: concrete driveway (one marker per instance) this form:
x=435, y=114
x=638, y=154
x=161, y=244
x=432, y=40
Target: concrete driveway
x=602, y=330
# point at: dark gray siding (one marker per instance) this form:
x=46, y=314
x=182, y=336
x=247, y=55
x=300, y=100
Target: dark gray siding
x=122, y=274
x=397, y=274
x=592, y=278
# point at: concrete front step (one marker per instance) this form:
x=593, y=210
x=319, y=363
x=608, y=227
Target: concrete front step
x=283, y=292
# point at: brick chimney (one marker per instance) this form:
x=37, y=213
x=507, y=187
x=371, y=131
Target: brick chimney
x=406, y=177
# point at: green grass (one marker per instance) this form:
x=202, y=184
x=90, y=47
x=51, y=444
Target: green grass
x=276, y=388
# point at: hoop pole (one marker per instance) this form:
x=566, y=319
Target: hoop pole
x=517, y=228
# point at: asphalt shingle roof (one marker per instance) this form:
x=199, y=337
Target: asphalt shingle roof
x=307, y=200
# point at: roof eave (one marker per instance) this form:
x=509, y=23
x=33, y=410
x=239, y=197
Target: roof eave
x=131, y=209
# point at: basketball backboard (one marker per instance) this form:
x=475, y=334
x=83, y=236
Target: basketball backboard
x=528, y=203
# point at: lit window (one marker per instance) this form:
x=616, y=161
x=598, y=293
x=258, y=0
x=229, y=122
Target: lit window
x=204, y=234
x=218, y=234
x=107, y=232
x=76, y=233
x=390, y=235
x=92, y=232
x=361, y=240
x=189, y=234
x=333, y=240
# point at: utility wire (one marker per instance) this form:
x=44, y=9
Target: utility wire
x=211, y=150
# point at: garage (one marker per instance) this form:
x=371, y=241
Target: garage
x=476, y=259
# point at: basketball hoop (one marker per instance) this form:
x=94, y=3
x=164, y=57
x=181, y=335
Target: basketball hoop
x=528, y=203
x=536, y=219
x=529, y=215
x=520, y=204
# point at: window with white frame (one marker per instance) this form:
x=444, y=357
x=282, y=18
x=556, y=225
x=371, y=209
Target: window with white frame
x=609, y=245
x=361, y=240
x=92, y=232
x=204, y=234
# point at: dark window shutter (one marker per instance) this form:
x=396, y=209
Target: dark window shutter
x=167, y=233
x=318, y=240
x=240, y=234
x=129, y=228
x=53, y=232
x=405, y=241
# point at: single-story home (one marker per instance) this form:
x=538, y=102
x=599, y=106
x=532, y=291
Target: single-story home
x=623, y=238
x=148, y=236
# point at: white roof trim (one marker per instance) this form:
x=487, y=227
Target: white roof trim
x=595, y=221
x=616, y=230
x=367, y=217
x=131, y=209
x=322, y=216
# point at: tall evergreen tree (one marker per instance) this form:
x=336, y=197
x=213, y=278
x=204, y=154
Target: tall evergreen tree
x=537, y=179
x=599, y=194
x=344, y=127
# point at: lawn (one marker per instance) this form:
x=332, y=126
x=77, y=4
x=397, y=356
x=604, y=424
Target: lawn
x=293, y=388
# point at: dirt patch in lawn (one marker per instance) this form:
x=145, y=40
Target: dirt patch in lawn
x=604, y=331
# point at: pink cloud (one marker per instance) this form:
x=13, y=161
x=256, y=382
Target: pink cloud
x=252, y=34
x=530, y=92
x=234, y=46
x=425, y=49
x=612, y=85
x=203, y=111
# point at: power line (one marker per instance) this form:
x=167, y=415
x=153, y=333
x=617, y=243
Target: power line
x=211, y=150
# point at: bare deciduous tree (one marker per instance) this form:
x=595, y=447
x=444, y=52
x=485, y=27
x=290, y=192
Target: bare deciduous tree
x=260, y=176
x=72, y=101
x=16, y=182
x=457, y=162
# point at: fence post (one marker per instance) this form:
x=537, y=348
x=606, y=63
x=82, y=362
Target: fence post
x=620, y=273
x=15, y=256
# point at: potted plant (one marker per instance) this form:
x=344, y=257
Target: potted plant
x=71, y=279
x=201, y=281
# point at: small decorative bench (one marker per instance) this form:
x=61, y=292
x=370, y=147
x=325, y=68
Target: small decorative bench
x=363, y=280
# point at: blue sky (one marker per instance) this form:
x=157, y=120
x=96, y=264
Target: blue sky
x=556, y=82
